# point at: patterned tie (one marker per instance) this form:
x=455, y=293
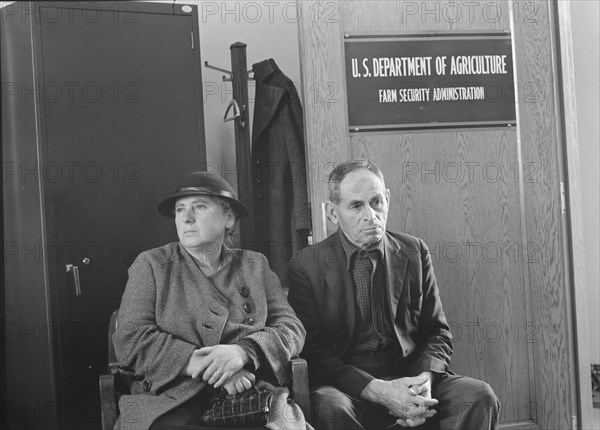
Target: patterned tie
x=367, y=266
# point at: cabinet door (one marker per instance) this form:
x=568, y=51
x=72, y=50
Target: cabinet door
x=121, y=116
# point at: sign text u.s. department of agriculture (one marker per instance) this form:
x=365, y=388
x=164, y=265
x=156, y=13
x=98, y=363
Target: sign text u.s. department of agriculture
x=433, y=80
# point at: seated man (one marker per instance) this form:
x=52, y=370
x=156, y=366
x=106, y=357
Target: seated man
x=378, y=344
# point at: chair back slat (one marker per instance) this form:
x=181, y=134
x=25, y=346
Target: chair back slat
x=112, y=327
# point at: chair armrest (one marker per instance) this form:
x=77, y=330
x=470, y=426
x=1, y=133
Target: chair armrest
x=108, y=400
x=299, y=385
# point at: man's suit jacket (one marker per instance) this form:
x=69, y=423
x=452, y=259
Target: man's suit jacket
x=322, y=294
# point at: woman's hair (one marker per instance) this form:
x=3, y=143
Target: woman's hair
x=229, y=238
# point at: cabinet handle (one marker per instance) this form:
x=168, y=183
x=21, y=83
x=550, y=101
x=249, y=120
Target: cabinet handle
x=75, y=270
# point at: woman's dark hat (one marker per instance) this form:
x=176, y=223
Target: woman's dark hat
x=203, y=184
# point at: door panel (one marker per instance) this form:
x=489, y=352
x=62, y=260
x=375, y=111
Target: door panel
x=458, y=194
x=487, y=202
x=122, y=119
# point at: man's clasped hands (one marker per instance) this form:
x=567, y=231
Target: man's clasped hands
x=408, y=399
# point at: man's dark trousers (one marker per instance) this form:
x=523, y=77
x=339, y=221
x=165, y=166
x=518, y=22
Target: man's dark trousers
x=465, y=404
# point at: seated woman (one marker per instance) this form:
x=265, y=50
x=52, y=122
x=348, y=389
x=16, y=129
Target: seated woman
x=197, y=316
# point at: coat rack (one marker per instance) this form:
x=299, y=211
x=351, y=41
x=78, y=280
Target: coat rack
x=238, y=76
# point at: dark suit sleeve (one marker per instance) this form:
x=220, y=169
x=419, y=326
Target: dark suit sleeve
x=434, y=340
x=323, y=338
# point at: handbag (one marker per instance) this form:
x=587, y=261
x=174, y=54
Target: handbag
x=247, y=409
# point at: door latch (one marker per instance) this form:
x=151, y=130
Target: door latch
x=72, y=268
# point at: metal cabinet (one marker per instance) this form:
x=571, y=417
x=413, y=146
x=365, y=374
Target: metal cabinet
x=101, y=115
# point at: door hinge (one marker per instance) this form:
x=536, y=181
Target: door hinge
x=192, y=39
x=563, y=203
x=310, y=225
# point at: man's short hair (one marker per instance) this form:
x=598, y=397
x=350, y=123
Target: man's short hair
x=341, y=171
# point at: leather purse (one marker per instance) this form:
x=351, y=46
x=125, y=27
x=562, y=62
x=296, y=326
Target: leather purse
x=247, y=409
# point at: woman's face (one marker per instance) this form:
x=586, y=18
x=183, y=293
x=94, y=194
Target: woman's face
x=201, y=222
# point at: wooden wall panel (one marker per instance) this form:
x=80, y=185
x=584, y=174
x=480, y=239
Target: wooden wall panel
x=324, y=99
x=394, y=16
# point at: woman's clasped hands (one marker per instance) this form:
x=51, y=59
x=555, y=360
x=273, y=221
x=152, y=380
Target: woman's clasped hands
x=222, y=366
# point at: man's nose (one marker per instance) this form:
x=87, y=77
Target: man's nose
x=369, y=213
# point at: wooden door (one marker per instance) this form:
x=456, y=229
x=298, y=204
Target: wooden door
x=121, y=117
x=487, y=202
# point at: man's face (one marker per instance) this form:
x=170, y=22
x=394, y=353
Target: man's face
x=363, y=207
x=200, y=221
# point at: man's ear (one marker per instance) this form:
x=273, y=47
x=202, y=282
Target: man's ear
x=387, y=195
x=331, y=212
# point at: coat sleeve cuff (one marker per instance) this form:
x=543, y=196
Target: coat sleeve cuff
x=432, y=365
x=253, y=352
x=352, y=381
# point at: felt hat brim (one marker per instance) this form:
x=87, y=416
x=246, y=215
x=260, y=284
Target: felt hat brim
x=167, y=206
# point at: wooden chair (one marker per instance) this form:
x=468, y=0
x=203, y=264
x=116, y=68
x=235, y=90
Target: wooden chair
x=117, y=381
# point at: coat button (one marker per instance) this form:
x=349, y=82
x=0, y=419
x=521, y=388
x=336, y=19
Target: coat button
x=248, y=321
x=147, y=385
x=247, y=307
x=245, y=292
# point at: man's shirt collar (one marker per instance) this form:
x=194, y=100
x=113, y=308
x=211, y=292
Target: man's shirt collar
x=352, y=250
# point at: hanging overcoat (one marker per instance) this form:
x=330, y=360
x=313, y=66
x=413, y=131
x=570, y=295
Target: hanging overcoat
x=281, y=213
